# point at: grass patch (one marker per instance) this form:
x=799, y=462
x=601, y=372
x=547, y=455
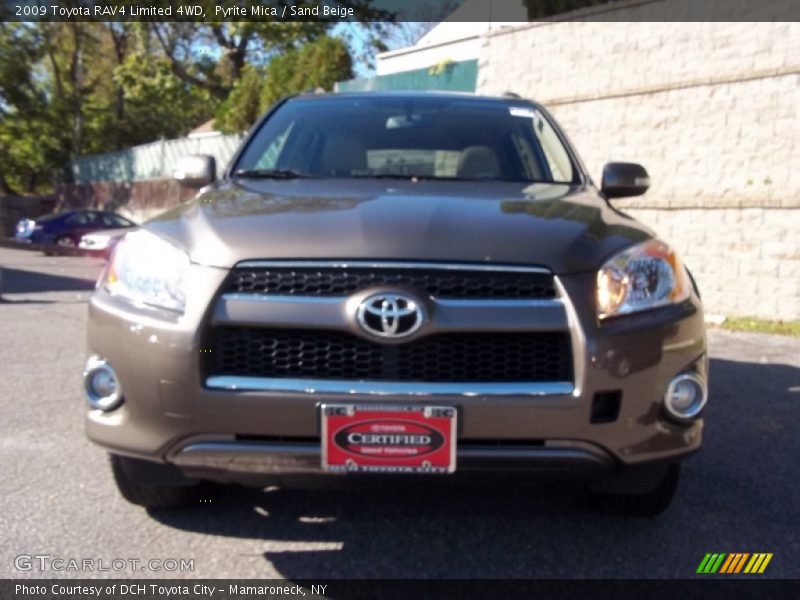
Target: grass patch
x=762, y=326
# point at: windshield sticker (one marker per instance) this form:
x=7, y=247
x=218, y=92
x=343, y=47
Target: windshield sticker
x=522, y=111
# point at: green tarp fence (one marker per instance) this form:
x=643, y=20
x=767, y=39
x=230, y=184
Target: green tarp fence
x=447, y=76
x=152, y=161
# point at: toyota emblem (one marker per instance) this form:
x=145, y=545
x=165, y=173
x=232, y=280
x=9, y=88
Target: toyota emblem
x=389, y=316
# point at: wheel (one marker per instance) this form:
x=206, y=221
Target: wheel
x=639, y=504
x=65, y=241
x=153, y=485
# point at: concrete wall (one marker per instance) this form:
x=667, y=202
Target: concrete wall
x=711, y=109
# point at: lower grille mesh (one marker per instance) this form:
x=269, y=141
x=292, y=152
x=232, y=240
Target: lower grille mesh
x=453, y=357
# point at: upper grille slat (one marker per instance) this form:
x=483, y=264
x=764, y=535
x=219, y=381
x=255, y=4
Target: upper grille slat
x=346, y=280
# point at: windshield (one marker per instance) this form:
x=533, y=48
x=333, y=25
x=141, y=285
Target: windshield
x=435, y=138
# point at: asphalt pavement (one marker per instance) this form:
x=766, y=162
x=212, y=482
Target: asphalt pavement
x=739, y=494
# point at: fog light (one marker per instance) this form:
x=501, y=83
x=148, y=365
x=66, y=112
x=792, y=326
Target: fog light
x=101, y=385
x=686, y=396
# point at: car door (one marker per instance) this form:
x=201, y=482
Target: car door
x=77, y=224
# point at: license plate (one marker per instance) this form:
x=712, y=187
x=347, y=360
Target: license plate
x=388, y=439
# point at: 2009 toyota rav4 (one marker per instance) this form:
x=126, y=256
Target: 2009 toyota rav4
x=398, y=283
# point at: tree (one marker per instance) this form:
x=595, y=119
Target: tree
x=538, y=9
x=243, y=105
x=317, y=64
x=33, y=139
x=213, y=55
x=73, y=88
x=68, y=89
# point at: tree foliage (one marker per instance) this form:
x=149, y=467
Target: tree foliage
x=68, y=89
x=74, y=88
x=539, y=9
x=317, y=64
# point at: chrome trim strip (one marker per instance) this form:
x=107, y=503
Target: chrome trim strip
x=387, y=388
x=445, y=302
x=577, y=338
x=239, y=297
x=498, y=303
x=339, y=313
x=273, y=458
x=343, y=264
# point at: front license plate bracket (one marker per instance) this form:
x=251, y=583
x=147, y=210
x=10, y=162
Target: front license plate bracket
x=388, y=438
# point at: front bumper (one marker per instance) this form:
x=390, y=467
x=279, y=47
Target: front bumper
x=172, y=415
x=244, y=458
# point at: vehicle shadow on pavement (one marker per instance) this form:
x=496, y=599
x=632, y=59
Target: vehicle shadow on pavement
x=20, y=281
x=733, y=497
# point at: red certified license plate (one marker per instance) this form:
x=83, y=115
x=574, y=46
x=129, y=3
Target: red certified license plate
x=388, y=439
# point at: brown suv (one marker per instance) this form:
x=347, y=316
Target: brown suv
x=398, y=283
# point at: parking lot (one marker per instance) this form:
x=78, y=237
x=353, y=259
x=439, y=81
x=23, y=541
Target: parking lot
x=739, y=494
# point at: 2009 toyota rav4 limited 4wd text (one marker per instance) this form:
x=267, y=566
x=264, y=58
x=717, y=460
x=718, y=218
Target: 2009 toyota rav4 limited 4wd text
x=398, y=283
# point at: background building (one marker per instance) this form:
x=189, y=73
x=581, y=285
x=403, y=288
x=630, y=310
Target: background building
x=710, y=109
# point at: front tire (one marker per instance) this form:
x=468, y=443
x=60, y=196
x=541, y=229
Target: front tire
x=65, y=241
x=641, y=504
x=159, y=488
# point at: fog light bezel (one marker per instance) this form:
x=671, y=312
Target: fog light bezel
x=103, y=403
x=696, y=408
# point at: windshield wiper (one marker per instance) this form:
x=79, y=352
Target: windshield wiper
x=270, y=174
x=442, y=178
x=390, y=176
x=408, y=176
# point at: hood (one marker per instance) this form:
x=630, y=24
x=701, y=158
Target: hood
x=551, y=225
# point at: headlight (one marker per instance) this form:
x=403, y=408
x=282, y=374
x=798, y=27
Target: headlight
x=148, y=270
x=94, y=242
x=645, y=276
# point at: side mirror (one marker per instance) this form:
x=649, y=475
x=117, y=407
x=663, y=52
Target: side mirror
x=196, y=171
x=622, y=180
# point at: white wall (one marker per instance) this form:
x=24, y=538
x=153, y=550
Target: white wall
x=711, y=109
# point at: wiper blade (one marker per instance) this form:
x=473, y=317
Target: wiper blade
x=410, y=177
x=414, y=177
x=270, y=174
x=390, y=176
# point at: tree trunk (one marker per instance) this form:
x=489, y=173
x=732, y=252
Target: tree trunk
x=120, y=40
x=76, y=76
x=5, y=189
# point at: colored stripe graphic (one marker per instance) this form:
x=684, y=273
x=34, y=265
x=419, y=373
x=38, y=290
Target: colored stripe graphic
x=741, y=562
x=711, y=563
x=732, y=558
x=758, y=563
x=716, y=565
x=704, y=563
x=765, y=563
x=733, y=563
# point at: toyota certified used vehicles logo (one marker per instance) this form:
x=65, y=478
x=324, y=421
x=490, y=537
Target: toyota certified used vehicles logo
x=389, y=315
x=389, y=439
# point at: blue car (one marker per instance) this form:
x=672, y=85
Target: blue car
x=66, y=228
